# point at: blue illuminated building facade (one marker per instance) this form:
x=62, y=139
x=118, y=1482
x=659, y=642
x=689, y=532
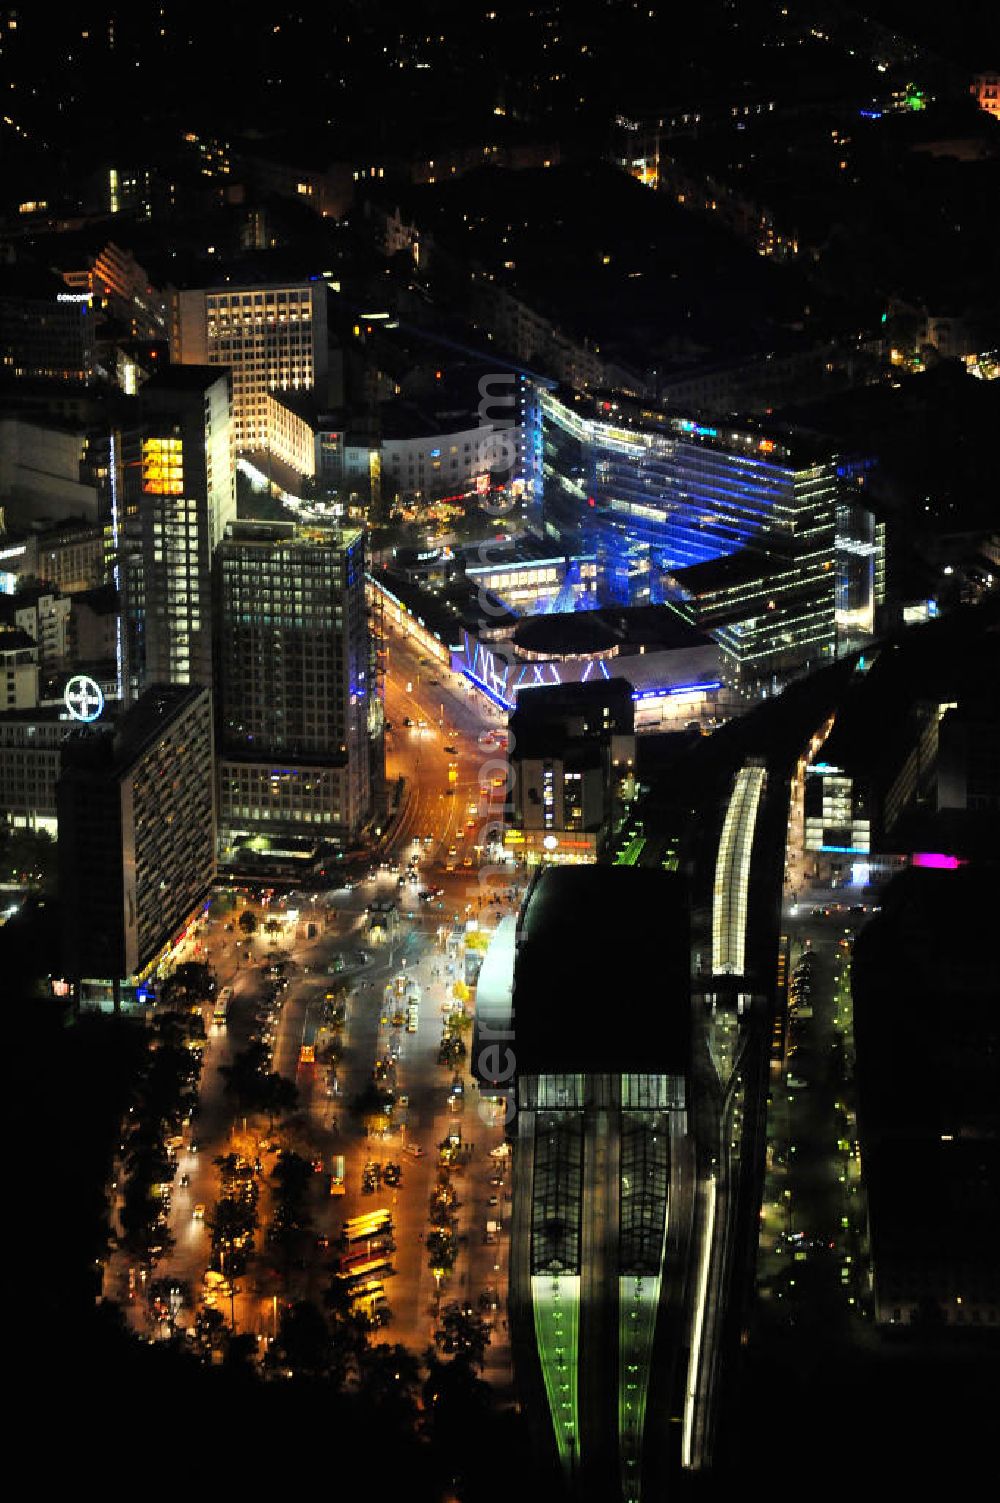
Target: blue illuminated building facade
x=762, y=543
x=660, y=656
x=668, y=491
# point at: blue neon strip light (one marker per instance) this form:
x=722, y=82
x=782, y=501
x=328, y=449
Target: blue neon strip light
x=117, y=573
x=706, y=687
x=474, y=678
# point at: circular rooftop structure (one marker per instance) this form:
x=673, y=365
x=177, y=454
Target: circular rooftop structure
x=579, y=634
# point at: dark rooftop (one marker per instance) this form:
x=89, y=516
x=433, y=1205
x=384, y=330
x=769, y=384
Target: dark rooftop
x=925, y=995
x=572, y=1012
x=41, y=715
x=13, y=639
x=553, y=700
x=26, y=280
x=733, y=569
x=570, y=634
x=585, y=633
x=27, y=595
x=944, y=660
x=182, y=378
x=564, y=719
x=125, y=739
x=445, y=612
x=141, y=725
x=401, y=419
x=103, y=600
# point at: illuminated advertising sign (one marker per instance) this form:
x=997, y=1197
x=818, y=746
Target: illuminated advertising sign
x=162, y=467
x=83, y=698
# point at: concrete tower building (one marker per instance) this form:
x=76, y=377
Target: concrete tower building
x=136, y=806
x=180, y=487
x=272, y=336
x=293, y=683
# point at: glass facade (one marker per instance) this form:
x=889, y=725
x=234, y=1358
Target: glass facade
x=837, y=811
x=663, y=497
x=179, y=489
x=294, y=690
x=760, y=547
x=732, y=873
x=602, y=1151
x=858, y=546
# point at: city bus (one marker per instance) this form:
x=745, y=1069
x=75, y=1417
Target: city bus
x=367, y=1222
x=354, y=1266
x=337, y=1186
x=370, y=1292
x=307, y=1049
x=369, y=1299
x=366, y=1228
x=222, y=1001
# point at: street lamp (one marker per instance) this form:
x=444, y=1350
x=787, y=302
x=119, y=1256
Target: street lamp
x=233, y=1292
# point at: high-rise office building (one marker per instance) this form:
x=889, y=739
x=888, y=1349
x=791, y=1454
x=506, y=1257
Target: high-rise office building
x=178, y=478
x=572, y=768
x=30, y=751
x=45, y=329
x=756, y=539
x=968, y=771
x=18, y=669
x=293, y=683
x=272, y=336
x=136, y=808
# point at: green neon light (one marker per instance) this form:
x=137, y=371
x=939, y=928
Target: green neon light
x=631, y=853
x=556, y=1305
x=638, y=1300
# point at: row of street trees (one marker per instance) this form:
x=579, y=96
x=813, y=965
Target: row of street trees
x=258, y=1088
x=165, y=1097
x=292, y=1218
x=234, y=1219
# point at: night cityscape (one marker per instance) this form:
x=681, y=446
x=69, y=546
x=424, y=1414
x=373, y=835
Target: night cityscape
x=500, y=757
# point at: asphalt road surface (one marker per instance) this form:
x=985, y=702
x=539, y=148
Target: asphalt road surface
x=448, y=797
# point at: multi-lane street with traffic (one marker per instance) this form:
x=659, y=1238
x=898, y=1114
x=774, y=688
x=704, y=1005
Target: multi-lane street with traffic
x=430, y=877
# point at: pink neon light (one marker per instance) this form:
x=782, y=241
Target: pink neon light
x=937, y=861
